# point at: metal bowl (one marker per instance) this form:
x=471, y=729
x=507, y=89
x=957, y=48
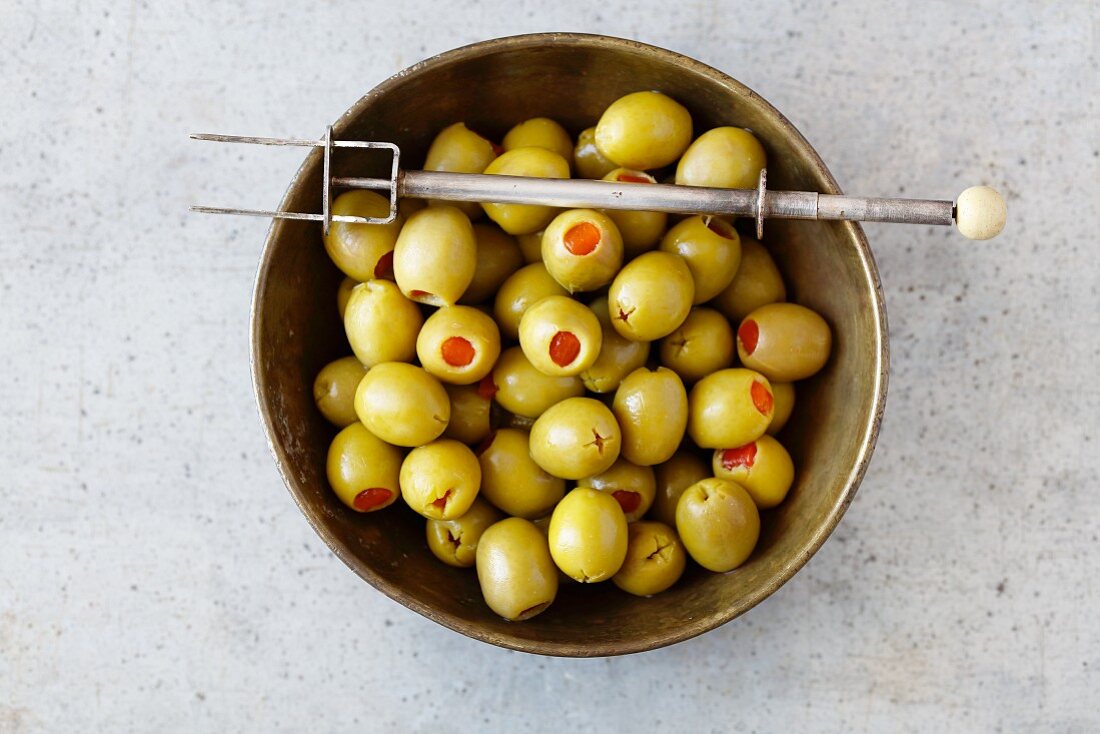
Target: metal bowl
x=828, y=266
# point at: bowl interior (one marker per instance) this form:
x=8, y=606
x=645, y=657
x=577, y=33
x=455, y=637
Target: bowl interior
x=572, y=78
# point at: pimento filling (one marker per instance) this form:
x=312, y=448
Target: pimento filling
x=633, y=178
x=564, y=348
x=581, y=239
x=418, y=294
x=720, y=227
x=372, y=498
x=384, y=267
x=487, y=388
x=761, y=397
x=749, y=334
x=441, y=503
x=457, y=351
x=629, y=501
x=741, y=456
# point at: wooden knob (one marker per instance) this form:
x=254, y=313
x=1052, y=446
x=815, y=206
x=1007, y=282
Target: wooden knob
x=980, y=213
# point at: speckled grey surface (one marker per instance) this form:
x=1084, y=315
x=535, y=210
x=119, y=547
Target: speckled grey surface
x=155, y=575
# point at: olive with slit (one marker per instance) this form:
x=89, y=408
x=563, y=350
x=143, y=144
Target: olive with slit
x=540, y=132
x=435, y=256
x=651, y=296
x=701, y=345
x=498, y=256
x=460, y=150
x=520, y=291
x=588, y=161
x=711, y=248
x=362, y=251
x=531, y=246
x=725, y=157
x=640, y=230
x=471, y=414
x=673, y=477
x=783, y=396
x=655, y=559
x=455, y=541
x=517, y=575
x=762, y=467
x=632, y=486
x=441, y=479
x=651, y=407
x=334, y=390
x=718, y=524
x=402, y=404
x=588, y=535
x=511, y=479
x=582, y=249
x=531, y=162
x=575, y=438
x=458, y=344
x=644, y=130
x=520, y=388
x=381, y=324
x=363, y=469
x=560, y=336
x=618, y=357
x=784, y=342
x=343, y=294
x=757, y=283
x=729, y=408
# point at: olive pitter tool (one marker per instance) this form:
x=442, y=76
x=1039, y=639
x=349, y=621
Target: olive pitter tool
x=979, y=212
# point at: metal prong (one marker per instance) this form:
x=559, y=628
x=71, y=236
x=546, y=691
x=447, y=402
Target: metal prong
x=347, y=218
x=255, y=140
x=761, y=197
x=326, y=184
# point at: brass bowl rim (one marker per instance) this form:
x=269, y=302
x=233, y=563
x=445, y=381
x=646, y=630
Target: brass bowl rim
x=696, y=626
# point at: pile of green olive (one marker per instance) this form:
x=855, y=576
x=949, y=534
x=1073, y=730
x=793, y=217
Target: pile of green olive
x=544, y=388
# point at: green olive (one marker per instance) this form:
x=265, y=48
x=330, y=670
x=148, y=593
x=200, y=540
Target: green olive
x=363, y=469
x=402, y=404
x=362, y=251
x=381, y=324
x=498, y=256
x=651, y=407
x=588, y=535
x=763, y=467
x=575, y=438
x=521, y=389
x=644, y=130
x=757, y=283
x=334, y=390
x=455, y=541
x=532, y=162
x=701, y=345
x=632, y=486
x=435, y=256
x=640, y=230
x=343, y=294
x=673, y=477
x=540, y=132
x=531, y=246
x=651, y=296
x=517, y=575
x=718, y=524
x=560, y=336
x=619, y=356
x=582, y=249
x=458, y=344
x=783, y=395
x=712, y=250
x=440, y=480
x=588, y=161
x=784, y=342
x=523, y=288
x=510, y=478
x=655, y=559
x=460, y=150
x=729, y=408
x=725, y=157
x=470, y=414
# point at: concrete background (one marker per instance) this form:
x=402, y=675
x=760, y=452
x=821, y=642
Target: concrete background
x=154, y=573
